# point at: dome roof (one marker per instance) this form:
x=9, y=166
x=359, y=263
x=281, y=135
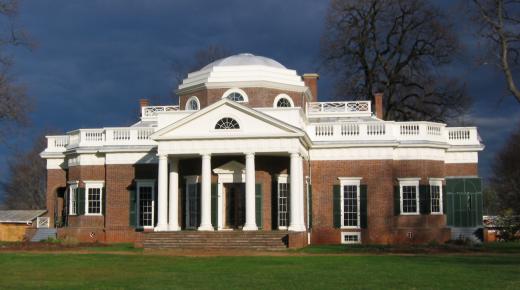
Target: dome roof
x=245, y=59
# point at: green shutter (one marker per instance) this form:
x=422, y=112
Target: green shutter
x=397, y=200
x=424, y=199
x=132, y=208
x=81, y=201
x=336, y=206
x=258, y=205
x=274, y=204
x=103, y=200
x=363, y=205
x=444, y=200
x=310, y=205
x=214, y=204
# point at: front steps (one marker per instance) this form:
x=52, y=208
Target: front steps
x=43, y=234
x=254, y=240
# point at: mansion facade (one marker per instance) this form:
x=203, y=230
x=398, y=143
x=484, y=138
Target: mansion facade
x=249, y=148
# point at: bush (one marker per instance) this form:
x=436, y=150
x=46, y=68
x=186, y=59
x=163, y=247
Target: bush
x=70, y=241
x=51, y=240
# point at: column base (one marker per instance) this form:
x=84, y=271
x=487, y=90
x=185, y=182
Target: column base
x=297, y=228
x=161, y=228
x=250, y=228
x=206, y=228
x=174, y=228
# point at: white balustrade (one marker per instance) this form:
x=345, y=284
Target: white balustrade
x=392, y=131
x=339, y=108
x=151, y=111
x=42, y=222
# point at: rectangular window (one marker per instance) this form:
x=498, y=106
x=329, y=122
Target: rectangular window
x=350, y=207
x=436, y=195
x=73, y=203
x=145, y=202
x=283, y=205
x=409, y=191
x=94, y=198
x=350, y=238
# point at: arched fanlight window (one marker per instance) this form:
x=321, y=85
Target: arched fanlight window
x=234, y=96
x=283, y=103
x=192, y=104
x=227, y=124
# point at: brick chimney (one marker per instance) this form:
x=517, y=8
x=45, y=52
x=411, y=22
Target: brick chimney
x=378, y=102
x=143, y=103
x=311, y=81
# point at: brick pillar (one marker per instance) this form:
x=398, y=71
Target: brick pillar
x=378, y=100
x=311, y=81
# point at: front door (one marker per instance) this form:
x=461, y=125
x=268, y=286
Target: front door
x=235, y=205
x=192, y=206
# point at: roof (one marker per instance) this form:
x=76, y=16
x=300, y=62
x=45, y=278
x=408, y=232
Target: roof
x=245, y=59
x=20, y=216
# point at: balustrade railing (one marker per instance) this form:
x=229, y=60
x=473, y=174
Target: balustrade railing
x=42, y=222
x=151, y=111
x=392, y=131
x=101, y=137
x=339, y=108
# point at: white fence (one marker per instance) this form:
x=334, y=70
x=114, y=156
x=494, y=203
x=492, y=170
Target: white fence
x=42, y=222
x=362, y=108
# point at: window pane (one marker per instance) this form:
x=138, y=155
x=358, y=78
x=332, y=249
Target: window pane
x=435, y=198
x=409, y=199
x=94, y=200
x=350, y=206
x=283, y=204
x=73, y=201
x=145, y=206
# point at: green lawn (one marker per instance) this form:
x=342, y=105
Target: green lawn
x=141, y=271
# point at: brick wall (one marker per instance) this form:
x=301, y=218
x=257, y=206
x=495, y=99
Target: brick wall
x=258, y=97
x=56, y=178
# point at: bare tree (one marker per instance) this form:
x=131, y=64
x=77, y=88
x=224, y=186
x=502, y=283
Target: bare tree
x=397, y=47
x=25, y=187
x=499, y=26
x=14, y=104
x=506, y=174
x=200, y=58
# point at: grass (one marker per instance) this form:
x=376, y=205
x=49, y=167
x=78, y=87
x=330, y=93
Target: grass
x=114, y=271
x=116, y=247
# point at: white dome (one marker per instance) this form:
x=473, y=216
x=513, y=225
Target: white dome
x=245, y=59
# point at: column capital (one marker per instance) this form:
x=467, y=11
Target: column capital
x=294, y=154
x=205, y=155
x=162, y=156
x=248, y=154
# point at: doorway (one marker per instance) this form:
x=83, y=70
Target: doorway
x=235, y=205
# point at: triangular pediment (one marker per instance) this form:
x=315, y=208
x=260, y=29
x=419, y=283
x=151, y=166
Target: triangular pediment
x=252, y=124
x=232, y=167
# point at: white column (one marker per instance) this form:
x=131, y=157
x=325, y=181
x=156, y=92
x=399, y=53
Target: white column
x=162, y=215
x=173, y=213
x=205, y=217
x=250, y=224
x=296, y=200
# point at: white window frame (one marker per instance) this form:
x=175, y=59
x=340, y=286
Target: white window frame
x=145, y=183
x=236, y=90
x=94, y=184
x=411, y=181
x=73, y=187
x=284, y=179
x=436, y=182
x=354, y=181
x=358, y=234
x=283, y=96
x=187, y=106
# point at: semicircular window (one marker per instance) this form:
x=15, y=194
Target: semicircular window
x=283, y=103
x=227, y=124
x=234, y=96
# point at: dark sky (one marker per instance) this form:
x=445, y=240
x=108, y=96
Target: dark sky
x=96, y=59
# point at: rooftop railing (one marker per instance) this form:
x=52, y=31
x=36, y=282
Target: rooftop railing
x=149, y=112
x=393, y=131
x=331, y=109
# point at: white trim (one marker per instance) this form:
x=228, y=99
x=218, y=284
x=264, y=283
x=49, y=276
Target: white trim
x=94, y=184
x=73, y=186
x=145, y=183
x=409, y=181
x=187, y=108
x=236, y=90
x=282, y=96
x=282, y=179
x=358, y=234
x=436, y=182
x=355, y=181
